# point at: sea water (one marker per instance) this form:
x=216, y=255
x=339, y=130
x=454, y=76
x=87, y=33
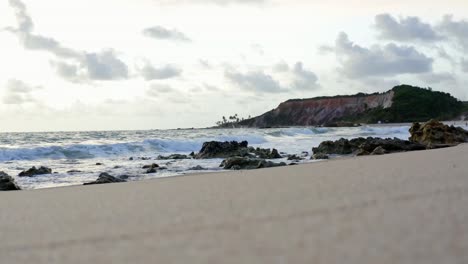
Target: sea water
x=126, y=152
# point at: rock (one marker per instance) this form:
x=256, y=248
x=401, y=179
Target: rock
x=198, y=167
x=305, y=153
x=151, y=170
x=434, y=133
x=270, y=164
x=192, y=154
x=294, y=157
x=246, y=163
x=7, y=183
x=105, y=178
x=379, y=151
x=339, y=147
x=362, y=152
x=74, y=171
x=34, y=171
x=363, y=146
x=152, y=166
x=131, y=158
x=215, y=149
x=99, y=164
x=173, y=156
x=320, y=156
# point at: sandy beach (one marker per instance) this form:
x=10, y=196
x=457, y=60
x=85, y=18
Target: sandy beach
x=398, y=208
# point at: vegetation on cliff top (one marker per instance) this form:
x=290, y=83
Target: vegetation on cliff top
x=414, y=104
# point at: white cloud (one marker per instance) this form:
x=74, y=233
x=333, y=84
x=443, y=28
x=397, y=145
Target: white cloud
x=405, y=29
x=159, y=32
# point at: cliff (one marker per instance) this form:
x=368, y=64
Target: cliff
x=401, y=104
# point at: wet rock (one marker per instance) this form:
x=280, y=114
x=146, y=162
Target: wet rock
x=74, y=171
x=131, y=158
x=152, y=166
x=362, y=146
x=246, y=163
x=379, y=151
x=7, y=183
x=35, y=171
x=151, y=170
x=294, y=157
x=434, y=133
x=99, y=164
x=105, y=178
x=215, y=149
x=320, y=156
x=192, y=154
x=198, y=167
x=173, y=156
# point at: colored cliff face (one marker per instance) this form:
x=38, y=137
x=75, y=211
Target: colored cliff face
x=319, y=111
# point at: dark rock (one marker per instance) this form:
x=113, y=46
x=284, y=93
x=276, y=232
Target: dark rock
x=305, y=153
x=198, y=167
x=74, y=171
x=379, y=151
x=34, y=171
x=339, y=147
x=320, y=156
x=192, y=154
x=151, y=170
x=362, y=152
x=294, y=157
x=173, y=156
x=362, y=146
x=246, y=163
x=105, y=178
x=215, y=149
x=435, y=133
x=131, y=158
x=99, y=164
x=270, y=164
x=7, y=183
x=152, y=166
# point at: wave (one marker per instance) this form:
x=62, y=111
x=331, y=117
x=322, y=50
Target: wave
x=148, y=147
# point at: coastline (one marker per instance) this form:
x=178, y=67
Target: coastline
x=396, y=208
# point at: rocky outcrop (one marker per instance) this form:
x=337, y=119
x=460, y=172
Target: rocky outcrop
x=366, y=146
x=216, y=149
x=153, y=168
x=105, y=178
x=7, y=183
x=35, y=171
x=246, y=163
x=320, y=110
x=434, y=134
x=173, y=156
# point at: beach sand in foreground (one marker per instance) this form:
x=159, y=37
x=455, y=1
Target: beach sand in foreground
x=400, y=208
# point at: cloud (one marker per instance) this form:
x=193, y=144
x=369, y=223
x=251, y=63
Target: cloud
x=162, y=33
x=18, y=92
x=457, y=30
x=70, y=64
x=304, y=79
x=464, y=65
x=156, y=89
x=166, y=72
x=435, y=78
x=388, y=60
x=254, y=81
x=405, y=29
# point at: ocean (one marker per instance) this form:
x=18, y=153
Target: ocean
x=81, y=151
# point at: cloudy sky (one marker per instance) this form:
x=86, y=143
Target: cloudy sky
x=145, y=64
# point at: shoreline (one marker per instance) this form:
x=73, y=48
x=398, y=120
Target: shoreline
x=350, y=210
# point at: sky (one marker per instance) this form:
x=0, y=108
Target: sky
x=157, y=64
